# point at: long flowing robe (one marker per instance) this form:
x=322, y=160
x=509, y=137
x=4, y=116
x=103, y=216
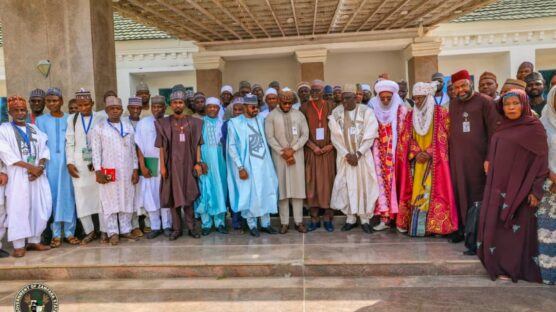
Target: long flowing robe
x=320, y=170
x=426, y=188
x=518, y=166
x=247, y=147
x=85, y=187
x=355, y=188
x=468, y=150
x=384, y=153
x=28, y=204
x=63, y=198
x=145, y=136
x=213, y=186
x=112, y=151
x=288, y=130
x=180, y=186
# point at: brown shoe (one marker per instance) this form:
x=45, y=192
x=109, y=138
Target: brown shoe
x=130, y=236
x=72, y=240
x=284, y=229
x=114, y=240
x=301, y=228
x=55, y=242
x=18, y=252
x=147, y=229
x=89, y=238
x=37, y=247
x=103, y=238
x=137, y=232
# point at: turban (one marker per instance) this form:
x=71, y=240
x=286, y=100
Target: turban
x=250, y=99
x=534, y=76
x=328, y=89
x=514, y=84
x=227, y=88
x=349, y=88
x=303, y=84
x=113, y=101
x=437, y=76
x=177, y=95
x=142, y=86
x=244, y=84
x=213, y=101
x=83, y=94
x=158, y=99
x=317, y=84
x=461, y=75
x=365, y=87
x=135, y=101
x=387, y=86
x=487, y=75
x=37, y=93
x=15, y=101
x=523, y=100
x=54, y=91
x=424, y=88
x=286, y=94
x=270, y=91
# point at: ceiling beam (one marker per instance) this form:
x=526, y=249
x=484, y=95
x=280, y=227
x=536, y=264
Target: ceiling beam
x=372, y=15
x=207, y=13
x=338, y=6
x=294, y=16
x=230, y=15
x=361, y=4
x=315, y=15
x=394, y=11
x=188, y=19
x=411, y=12
x=275, y=18
x=253, y=18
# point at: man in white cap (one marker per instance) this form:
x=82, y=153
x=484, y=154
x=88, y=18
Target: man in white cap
x=390, y=112
x=353, y=129
x=115, y=162
x=270, y=102
x=440, y=97
x=226, y=96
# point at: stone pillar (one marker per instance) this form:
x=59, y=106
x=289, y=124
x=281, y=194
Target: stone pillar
x=311, y=63
x=76, y=36
x=208, y=69
x=422, y=61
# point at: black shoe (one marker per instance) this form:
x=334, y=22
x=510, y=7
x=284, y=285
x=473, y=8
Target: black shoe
x=457, y=238
x=254, y=232
x=174, y=235
x=4, y=254
x=167, y=232
x=222, y=230
x=367, y=228
x=348, y=227
x=269, y=229
x=470, y=253
x=205, y=231
x=313, y=226
x=328, y=226
x=154, y=234
x=193, y=234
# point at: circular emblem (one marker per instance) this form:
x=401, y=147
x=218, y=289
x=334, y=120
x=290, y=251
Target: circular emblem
x=36, y=297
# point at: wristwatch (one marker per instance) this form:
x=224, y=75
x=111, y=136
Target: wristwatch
x=42, y=166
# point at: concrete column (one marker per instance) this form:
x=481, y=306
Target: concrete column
x=422, y=60
x=76, y=36
x=208, y=69
x=311, y=63
x=518, y=55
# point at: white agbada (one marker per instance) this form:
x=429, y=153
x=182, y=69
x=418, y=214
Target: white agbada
x=3, y=214
x=110, y=150
x=355, y=189
x=28, y=204
x=86, y=188
x=145, y=135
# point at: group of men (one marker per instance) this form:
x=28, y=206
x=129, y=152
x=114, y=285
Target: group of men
x=416, y=164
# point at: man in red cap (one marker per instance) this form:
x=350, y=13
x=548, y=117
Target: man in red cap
x=473, y=120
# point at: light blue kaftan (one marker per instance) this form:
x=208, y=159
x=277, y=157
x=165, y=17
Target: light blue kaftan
x=247, y=147
x=61, y=186
x=213, y=189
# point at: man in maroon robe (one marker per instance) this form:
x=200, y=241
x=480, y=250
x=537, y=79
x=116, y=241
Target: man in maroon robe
x=179, y=139
x=473, y=120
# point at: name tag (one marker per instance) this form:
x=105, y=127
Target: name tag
x=294, y=130
x=466, y=126
x=182, y=137
x=320, y=134
x=352, y=131
x=87, y=154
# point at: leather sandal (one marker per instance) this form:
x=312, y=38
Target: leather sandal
x=72, y=240
x=55, y=243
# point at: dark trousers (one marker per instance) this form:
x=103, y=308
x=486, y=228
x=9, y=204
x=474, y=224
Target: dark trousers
x=189, y=218
x=328, y=214
x=237, y=220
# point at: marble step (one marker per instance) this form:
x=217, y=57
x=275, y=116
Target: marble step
x=323, y=294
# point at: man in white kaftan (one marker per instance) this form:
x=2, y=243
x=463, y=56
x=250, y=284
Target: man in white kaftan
x=3, y=181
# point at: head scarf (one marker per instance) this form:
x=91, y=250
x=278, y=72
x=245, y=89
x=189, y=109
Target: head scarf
x=523, y=100
x=37, y=93
x=135, y=101
x=548, y=119
x=422, y=117
x=16, y=100
x=113, y=101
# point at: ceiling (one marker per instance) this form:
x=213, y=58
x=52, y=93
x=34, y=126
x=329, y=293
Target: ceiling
x=212, y=22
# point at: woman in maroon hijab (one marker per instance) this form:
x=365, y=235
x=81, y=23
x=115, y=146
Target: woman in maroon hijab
x=517, y=168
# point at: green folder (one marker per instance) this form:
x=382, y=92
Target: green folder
x=152, y=164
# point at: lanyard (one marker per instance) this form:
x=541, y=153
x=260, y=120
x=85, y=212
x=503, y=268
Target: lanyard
x=319, y=112
x=23, y=135
x=86, y=129
x=441, y=99
x=121, y=131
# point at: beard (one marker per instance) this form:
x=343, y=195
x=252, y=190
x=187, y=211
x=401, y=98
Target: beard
x=466, y=97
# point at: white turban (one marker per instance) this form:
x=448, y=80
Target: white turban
x=365, y=87
x=227, y=88
x=387, y=86
x=425, y=88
